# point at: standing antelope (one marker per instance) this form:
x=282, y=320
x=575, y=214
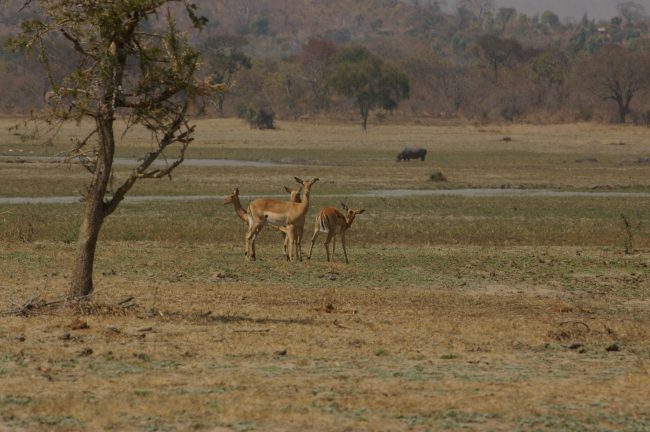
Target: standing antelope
x=233, y=199
x=331, y=221
x=291, y=215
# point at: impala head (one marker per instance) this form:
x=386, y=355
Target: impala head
x=294, y=193
x=350, y=214
x=233, y=197
x=306, y=184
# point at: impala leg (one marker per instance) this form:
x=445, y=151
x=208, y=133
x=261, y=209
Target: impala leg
x=283, y=231
x=333, y=245
x=247, y=244
x=289, y=243
x=327, y=245
x=299, y=232
x=313, y=240
x=284, y=242
x=294, y=243
x=345, y=253
x=251, y=236
x=286, y=245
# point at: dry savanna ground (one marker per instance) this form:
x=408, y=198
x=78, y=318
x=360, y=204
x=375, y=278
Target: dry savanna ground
x=477, y=312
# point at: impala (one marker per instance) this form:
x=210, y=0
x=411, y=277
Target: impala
x=331, y=221
x=291, y=215
x=233, y=199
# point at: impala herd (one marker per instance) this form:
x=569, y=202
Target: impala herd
x=288, y=217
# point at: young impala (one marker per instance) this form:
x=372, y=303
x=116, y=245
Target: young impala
x=331, y=221
x=291, y=215
x=233, y=198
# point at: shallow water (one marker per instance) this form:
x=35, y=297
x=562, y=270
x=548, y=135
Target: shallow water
x=133, y=162
x=384, y=193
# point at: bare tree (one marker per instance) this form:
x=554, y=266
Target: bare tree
x=145, y=74
x=316, y=60
x=225, y=57
x=615, y=73
x=497, y=52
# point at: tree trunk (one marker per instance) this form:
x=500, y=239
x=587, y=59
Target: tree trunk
x=623, y=108
x=364, y=111
x=220, y=100
x=94, y=213
x=82, y=274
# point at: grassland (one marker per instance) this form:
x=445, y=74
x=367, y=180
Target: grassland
x=455, y=313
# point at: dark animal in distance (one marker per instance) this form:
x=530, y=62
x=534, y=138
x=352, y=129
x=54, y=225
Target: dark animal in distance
x=411, y=153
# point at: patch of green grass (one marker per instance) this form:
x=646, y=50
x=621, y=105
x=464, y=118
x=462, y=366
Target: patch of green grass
x=455, y=419
x=212, y=403
x=243, y=426
x=114, y=368
x=422, y=221
x=165, y=364
x=414, y=420
x=16, y=400
x=142, y=392
x=449, y=356
x=57, y=420
x=585, y=423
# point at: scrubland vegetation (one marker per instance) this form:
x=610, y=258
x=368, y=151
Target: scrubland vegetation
x=466, y=60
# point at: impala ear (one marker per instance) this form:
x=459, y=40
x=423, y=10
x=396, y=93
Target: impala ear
x=287, y=189
x=236, y=191
x=343, y=206
x=361, y=211
x=314, y=180
x=299, y=180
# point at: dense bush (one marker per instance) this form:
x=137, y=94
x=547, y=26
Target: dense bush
x=258, y=118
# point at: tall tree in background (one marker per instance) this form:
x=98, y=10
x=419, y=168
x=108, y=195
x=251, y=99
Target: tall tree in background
x=615, y=73
x=364, y=76
x=316, y=60
x=497, y=52
x=132, y=62
x=224, y=58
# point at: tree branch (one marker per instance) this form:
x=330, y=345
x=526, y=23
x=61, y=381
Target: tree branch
x=171, y=136
x=77, y=45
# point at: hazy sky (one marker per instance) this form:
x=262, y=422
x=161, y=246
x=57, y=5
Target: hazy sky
x=599, y=9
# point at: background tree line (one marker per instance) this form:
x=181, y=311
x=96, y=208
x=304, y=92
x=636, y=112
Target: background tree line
x=475, y=62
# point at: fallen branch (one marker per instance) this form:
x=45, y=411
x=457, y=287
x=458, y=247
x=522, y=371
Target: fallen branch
x=34, y=305
x=126, y=300
x=339, y=325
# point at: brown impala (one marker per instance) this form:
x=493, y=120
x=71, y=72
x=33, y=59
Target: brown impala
x=331, y=221
x=265, y=211
x=233, y=199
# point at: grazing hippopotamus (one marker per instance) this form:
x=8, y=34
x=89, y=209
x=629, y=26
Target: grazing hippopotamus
x=411, y=153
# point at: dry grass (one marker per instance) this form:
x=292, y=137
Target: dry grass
x=441, y=338
x=455, y=313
